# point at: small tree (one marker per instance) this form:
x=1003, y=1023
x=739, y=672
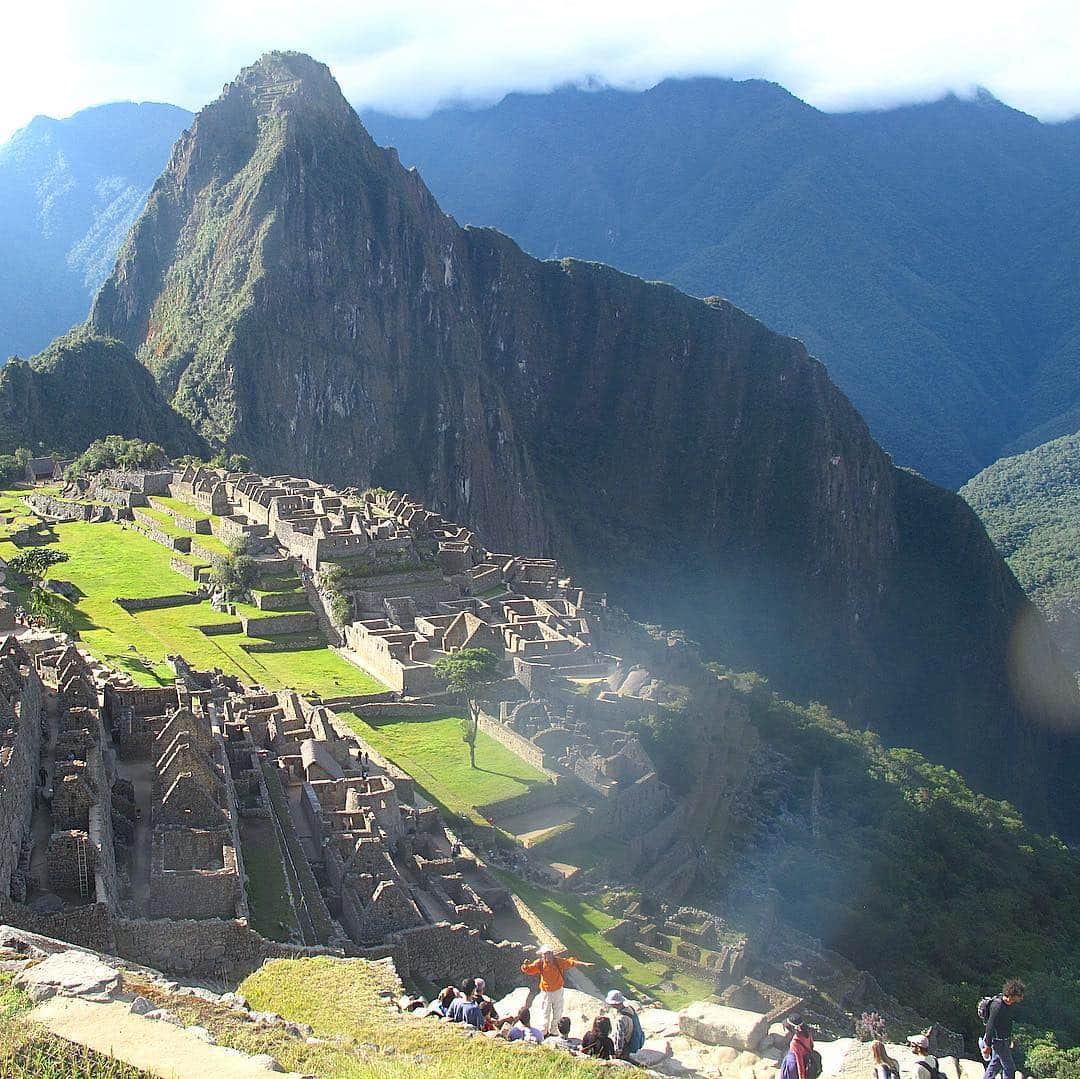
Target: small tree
x=235, y=573
x=53, y=610
x=36, y=562
x=469, y=672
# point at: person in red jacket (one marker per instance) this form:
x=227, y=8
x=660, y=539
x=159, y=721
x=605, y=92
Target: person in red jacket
x=802, y=1042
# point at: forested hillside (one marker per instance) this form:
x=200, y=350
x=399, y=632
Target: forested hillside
x=1030, y=505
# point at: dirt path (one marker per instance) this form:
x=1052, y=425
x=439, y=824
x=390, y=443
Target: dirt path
x=158, y=1048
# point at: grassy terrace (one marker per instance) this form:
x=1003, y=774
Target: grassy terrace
x=434, y=752
x=185, y=508
x=107, y=561
x=579, y=926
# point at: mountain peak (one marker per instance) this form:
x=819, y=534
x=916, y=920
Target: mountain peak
x=280, y=78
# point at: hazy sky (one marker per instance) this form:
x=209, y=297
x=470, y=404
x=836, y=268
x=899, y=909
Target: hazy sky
x=62, y=55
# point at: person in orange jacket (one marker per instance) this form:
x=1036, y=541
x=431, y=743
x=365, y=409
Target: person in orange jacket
x=550, y=1000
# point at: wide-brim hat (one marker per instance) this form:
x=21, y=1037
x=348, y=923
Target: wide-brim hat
x=920, y=1041
x=615, y=997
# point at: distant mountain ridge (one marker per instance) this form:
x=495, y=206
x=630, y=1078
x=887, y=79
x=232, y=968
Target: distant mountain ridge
x=928, y=255
x=300, y=297
x=69, y=191
x=924, y=253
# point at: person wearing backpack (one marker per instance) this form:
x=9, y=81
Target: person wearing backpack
x=925, y=1066
x=807, y=1058
x=884, y=1065
x=626, y=1030
x=997, y=1039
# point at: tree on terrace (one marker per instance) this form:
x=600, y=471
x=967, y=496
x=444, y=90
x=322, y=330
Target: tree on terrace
x=470, y=672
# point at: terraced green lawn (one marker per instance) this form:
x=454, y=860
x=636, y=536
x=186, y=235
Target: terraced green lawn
x=108, y=561
x=579, y=926
x=436, y=755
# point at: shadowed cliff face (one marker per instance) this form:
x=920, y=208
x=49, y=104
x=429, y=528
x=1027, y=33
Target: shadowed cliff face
x=301, y=297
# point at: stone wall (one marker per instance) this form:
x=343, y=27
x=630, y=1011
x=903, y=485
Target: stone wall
x=218, y=950
x=513, y=741
x=183, y=520
x=63, y=509
x=196, y=886
x=153, y=603
x=279, y=624
x=149, y=527
x=19, y=750
x=62, y=861
x=189, y=569
x=397, y=710
x=144, y=483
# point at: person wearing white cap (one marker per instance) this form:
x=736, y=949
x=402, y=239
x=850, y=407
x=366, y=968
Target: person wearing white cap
x=925, y=1066
x=550, y=999
x=626, y=1033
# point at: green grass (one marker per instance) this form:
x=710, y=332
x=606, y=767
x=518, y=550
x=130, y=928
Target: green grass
x=29, y=1052
x=107, y=561
x=339, y=999
x=579, y=926
x=435, y=754
x=361, y=1037
x=185, y=508
x=271, y=911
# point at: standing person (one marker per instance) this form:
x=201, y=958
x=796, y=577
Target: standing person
x=550, y=999
x=626, y=1032
x=926, y=1065
x=998, y=1034
x=802, y=1045
x=597, y=1041
x=884, y=1065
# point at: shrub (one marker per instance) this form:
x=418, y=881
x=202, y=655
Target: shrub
x=870, y=1027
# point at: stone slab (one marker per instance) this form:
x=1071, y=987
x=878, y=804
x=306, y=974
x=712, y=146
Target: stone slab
x=716, y=1024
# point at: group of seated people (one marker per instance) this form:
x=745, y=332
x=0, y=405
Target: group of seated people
x=469, y=1005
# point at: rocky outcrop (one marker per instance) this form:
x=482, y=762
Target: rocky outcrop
x=299, y=296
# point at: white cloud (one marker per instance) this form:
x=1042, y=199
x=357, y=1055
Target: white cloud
x=835, y=54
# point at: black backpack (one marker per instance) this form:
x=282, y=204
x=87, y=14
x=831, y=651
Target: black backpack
x=983, y=1007
x=814, y=1067
x=931, y=1065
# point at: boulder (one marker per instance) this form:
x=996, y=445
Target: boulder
x=69, y=974
x=265, y=1062
x=716, y=1024
x=140, y=1006
x=652, y=1052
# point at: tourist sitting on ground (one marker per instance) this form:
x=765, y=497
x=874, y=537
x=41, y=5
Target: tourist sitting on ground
x=626, y=1033
x=562, y=1040
x=409, y=1003
x=523, y=1028
x=926, y=1065
x=461, y=1001
x=491, y=1017
x=440, y=1006
x=597, y=1041
x=884, y=1065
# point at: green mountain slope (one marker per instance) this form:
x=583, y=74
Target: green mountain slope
x=301, y=297
x=1030, y=505
x=69, y=191
x=927, y=254
x=82, y=388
